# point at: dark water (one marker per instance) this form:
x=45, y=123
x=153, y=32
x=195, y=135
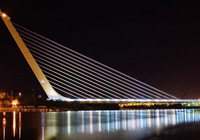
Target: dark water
x=101, y=125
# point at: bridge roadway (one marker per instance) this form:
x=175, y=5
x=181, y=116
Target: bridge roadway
x=143, y=103
x=133, y=100
x=140, y=102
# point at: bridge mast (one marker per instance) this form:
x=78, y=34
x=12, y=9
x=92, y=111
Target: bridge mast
x=51, y=93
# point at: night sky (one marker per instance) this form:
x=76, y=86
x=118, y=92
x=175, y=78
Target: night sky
x=155, y=42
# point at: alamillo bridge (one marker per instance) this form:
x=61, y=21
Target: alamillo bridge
x=67, y=75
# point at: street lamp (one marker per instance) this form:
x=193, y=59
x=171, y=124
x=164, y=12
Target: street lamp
x=15, y=103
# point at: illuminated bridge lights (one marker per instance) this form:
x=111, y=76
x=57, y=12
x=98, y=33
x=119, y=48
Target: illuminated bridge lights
x=4, y=15
x=169, y=103
x=182, y=101
x=195, y=103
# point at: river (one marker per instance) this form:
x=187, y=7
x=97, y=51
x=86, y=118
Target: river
x=101, y=125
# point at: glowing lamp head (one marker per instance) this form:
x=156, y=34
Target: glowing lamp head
x=4, y=15
x=15, y=102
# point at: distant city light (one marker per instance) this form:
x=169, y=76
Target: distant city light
x=42, y=81
x=20, y=94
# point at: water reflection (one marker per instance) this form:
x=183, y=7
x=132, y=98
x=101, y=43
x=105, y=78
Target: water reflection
x=68, y=121
x=20, y=125
x=135, y=119
x=14, y=123
x=4, y=128
x=73, y=123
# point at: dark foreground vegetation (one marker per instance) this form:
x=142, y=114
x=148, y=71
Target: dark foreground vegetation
x=82, y=106
x=64, y=105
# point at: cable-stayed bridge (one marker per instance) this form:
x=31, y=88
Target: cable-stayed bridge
x=68, y=75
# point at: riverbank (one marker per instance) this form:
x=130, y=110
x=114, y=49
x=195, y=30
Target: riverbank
x=91, y=107
x=183, y=131
x=19, y=109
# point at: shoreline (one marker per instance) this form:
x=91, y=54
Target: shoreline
x=57, y=109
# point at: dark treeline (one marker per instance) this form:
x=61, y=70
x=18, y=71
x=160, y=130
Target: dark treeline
x=30, y=101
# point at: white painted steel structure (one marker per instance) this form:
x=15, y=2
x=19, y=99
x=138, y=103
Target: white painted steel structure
x=60, y=69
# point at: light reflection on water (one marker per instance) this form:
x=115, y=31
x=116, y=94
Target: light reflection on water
x=84, y=124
